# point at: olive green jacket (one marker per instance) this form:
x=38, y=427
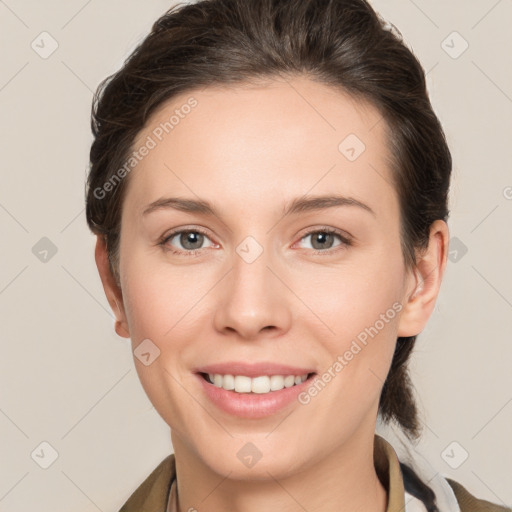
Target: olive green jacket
x=159, y=488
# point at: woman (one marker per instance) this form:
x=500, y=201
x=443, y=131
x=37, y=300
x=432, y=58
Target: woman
x=269, y=189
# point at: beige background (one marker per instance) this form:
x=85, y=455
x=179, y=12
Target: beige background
x=68, y=380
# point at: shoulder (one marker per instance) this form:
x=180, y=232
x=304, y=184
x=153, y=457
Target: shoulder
x=469, y=503
x=152, y=493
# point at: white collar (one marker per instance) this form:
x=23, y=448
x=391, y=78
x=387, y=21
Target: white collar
x=408, y=453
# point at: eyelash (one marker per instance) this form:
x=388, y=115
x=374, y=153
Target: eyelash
x=345, y=242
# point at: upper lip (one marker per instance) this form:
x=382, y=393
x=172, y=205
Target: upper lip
x=252, y=369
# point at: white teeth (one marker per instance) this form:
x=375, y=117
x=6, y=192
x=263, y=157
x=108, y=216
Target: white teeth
x=228, y=382
x=289, y=381
x=242, y=383
x=261, y=384
x=277, y=382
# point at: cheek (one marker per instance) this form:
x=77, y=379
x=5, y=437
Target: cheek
x=356, y=362
x=156, y=309
x=361, y=306
x=357, y=297
x=158, y=298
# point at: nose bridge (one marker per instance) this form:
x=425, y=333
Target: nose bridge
x=253, y=298
x=250, y=265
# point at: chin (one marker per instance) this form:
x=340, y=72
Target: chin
x=250, y=460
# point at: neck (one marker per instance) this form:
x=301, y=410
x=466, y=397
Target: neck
x=345, y=480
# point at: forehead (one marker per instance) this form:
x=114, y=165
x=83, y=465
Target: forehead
x=263, y=143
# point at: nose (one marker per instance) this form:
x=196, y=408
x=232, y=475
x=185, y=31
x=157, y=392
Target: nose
x=253, y=299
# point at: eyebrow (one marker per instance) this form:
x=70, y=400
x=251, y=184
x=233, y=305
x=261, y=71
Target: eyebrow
x=298, y=205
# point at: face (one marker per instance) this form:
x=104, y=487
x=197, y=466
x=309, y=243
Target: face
x=318, y=289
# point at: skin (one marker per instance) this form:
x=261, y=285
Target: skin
x=250, y=150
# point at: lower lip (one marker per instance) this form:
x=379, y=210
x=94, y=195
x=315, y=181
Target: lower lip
x=253, y=405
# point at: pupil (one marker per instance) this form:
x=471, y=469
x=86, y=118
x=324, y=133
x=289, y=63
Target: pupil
x=189, y=238
x=322, y=236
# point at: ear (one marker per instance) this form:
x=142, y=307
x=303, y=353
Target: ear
x=424, y=282
x=112, y=290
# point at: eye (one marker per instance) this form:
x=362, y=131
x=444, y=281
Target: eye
x=322, y=239
x=191, y=240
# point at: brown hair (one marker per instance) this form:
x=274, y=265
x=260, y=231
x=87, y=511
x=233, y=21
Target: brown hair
x=341, y=43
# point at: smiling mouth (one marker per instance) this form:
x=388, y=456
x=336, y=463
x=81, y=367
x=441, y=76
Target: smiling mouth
x=257, y=385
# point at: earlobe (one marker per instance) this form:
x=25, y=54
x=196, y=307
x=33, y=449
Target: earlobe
x=110, y=287
x=426, y=277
